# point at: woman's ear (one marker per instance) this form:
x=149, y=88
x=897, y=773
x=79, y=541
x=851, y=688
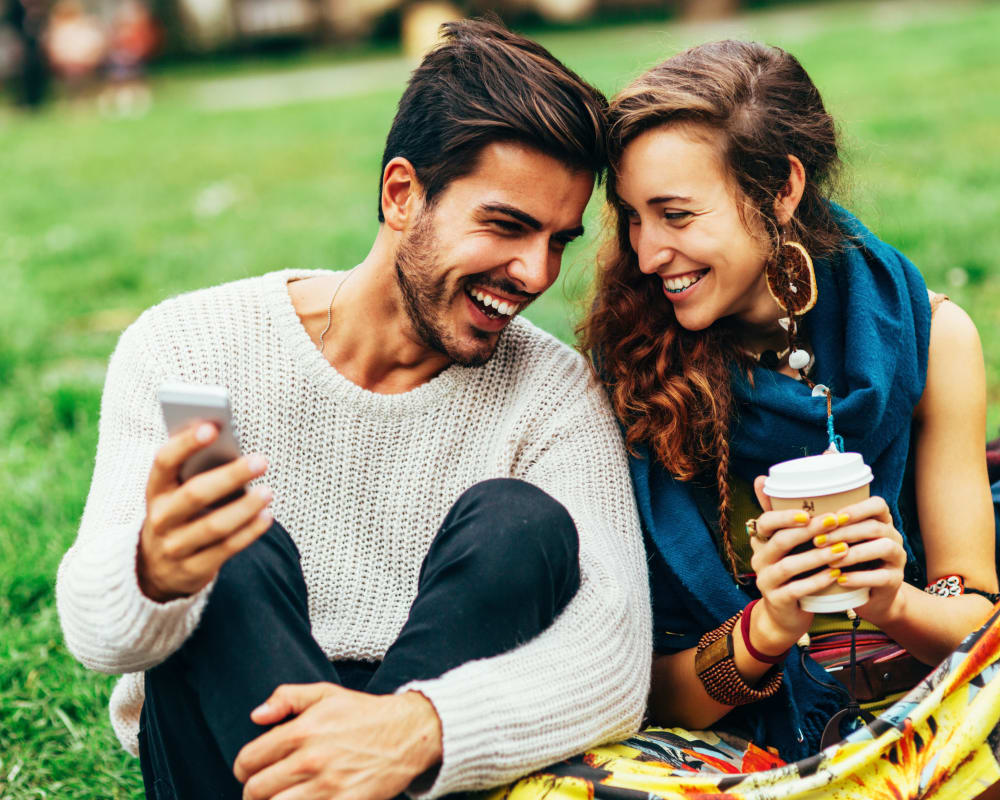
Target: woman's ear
x=402, y=194
x=791, y=193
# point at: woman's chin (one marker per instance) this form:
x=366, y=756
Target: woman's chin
x=692, y=320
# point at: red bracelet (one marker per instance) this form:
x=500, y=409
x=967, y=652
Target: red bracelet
x=745, y=630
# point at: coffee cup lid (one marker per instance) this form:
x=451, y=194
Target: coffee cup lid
x=815, y=476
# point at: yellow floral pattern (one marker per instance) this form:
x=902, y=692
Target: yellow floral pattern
x=941, y=741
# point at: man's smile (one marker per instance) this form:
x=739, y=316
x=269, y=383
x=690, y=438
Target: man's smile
x=491, y=304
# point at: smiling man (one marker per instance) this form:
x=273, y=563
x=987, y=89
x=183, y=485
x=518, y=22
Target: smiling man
x=435, y=580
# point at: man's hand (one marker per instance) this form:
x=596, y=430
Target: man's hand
x=340, y=744
x=184, y=541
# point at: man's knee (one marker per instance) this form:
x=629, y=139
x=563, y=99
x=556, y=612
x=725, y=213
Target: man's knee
x=519, y=533
x=272, y=561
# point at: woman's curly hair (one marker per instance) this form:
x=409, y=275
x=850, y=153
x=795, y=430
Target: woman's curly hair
x=670, y=387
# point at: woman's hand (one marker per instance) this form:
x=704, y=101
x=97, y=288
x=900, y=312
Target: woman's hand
x=778, y=621
x=867, y=529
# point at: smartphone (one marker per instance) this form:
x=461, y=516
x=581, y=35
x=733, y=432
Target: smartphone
x=184, y=404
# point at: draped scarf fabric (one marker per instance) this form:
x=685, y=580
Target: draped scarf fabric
x=869, y=332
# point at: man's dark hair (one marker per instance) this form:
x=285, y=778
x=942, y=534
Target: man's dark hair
x=485, y=84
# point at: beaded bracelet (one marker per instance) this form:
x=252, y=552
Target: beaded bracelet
x=753, y=651
x=954, y=586
x=714, y=665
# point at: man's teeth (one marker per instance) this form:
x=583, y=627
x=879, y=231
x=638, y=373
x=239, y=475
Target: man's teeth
x=678, y=284
x=498, y=305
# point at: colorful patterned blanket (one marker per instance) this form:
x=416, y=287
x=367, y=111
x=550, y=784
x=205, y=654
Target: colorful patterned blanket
x=942, y=741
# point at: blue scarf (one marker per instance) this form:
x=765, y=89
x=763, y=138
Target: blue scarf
x=869, y=331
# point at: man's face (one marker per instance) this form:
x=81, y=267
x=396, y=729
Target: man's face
x=490, y=244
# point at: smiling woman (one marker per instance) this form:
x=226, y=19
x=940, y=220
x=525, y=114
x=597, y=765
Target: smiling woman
x=726, y=350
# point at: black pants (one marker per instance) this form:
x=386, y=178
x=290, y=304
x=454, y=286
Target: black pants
x=502, y=566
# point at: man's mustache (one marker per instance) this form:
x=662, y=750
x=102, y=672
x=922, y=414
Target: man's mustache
x=504, y=287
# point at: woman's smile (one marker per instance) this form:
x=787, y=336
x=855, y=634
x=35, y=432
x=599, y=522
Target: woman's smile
x=676, y=285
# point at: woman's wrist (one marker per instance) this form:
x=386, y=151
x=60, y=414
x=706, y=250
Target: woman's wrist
x=892, y=614
x=766, y=635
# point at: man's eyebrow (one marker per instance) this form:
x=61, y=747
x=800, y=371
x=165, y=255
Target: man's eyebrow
x=527, y=219
x=511, y=211
x=570, y=233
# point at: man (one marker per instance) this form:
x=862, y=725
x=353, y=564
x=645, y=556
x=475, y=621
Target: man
x=456, y=591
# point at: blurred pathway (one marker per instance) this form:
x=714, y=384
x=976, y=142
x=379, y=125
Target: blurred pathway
x=270, y=89
x=300, y=85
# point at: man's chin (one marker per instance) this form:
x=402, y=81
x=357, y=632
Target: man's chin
x=476, y=350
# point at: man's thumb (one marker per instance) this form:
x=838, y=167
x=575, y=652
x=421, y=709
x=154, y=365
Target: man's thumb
x=288, y=699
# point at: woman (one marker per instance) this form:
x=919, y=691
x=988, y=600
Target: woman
x=718, y=366
x=724, y=353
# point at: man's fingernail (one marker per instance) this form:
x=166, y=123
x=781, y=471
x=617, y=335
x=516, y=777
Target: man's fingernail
x=839, y=548
x=829, y=521
x=263, y=708
x=204, y=433
x=820, y=540
x=257, y=463
x=264, y=492
x=843, y=519
x=802, y=517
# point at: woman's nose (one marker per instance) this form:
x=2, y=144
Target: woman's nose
x=653, y=253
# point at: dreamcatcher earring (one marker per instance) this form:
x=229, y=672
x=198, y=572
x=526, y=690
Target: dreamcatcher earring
x=791, y=281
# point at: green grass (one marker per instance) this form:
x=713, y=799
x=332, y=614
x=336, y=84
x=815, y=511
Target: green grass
x=98, y=222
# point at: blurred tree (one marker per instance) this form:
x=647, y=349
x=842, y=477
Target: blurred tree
x=28, y=19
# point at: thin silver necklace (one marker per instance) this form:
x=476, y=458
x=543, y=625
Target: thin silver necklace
x=329, y=310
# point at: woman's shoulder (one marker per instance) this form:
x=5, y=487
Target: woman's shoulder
x=951, y=326
x=954, y=358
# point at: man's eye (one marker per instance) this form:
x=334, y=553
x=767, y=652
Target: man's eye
x=507, y=225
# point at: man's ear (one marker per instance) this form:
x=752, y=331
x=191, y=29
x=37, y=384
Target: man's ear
x=791, y=194
x=402, y=194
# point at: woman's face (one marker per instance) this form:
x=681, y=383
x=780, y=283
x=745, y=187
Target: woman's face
x=685, y=228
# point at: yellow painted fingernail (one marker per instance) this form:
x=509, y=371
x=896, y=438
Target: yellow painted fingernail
x=843, y=519
x=839, y=548
x=834, y=573
x=820, y=540
x=842, y=579
x=802, y=517
x=829, y=521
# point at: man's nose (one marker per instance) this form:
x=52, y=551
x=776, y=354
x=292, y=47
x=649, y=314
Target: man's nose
x=535, y=268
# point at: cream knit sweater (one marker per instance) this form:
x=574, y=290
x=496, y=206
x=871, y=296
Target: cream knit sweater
x=361, y=482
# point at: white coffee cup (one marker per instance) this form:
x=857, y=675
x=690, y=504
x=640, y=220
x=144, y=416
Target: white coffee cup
x=822, y=484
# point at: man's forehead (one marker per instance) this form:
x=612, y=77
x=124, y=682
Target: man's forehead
x=519, y=176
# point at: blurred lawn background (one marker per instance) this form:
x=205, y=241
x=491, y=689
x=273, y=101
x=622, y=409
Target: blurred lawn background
x=101, y=218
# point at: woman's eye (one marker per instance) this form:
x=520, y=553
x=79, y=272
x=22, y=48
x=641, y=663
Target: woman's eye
x=631, y=215
x=676, y=216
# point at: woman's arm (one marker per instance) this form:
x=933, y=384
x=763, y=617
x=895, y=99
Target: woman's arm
x=677, y=695
x=953, y=497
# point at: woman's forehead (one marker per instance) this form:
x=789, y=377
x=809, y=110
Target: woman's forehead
x=681, y=161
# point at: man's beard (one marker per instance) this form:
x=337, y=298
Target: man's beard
x=426, y=299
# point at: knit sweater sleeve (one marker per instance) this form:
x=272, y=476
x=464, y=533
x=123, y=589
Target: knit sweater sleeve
x=584, y=680
x=108, y=623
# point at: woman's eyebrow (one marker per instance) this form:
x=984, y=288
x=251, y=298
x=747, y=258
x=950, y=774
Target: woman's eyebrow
x=667, y=198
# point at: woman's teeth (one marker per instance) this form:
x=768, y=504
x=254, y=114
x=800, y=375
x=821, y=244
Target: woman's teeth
x=494, y=304
x=681, y=283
